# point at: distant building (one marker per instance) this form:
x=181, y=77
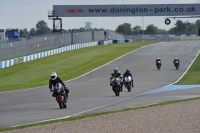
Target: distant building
x=88, y=25
x=14, y=34
x=2, y=34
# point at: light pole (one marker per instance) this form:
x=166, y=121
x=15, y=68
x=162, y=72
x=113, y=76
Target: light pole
x=143, y=25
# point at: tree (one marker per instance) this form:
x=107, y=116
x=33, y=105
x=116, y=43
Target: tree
x=32, y=32
x=25, y=32
x=171, y=30
x=162, y=31
x=124, y=29
x=42, y=28
x=22, y=34
x=180, y=27
x=191, y=28
x=197, y=23
x=63, y=30
x=151, y=29
x=6, y=32
x=184, y=27
x=137, y=29
x=82, y=29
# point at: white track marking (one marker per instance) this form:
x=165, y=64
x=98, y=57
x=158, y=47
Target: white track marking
x=182, y=74
x=188, y=68
x=81, y=112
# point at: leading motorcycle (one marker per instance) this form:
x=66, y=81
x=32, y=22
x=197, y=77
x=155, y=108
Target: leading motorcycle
x=128, y=83
x=60, y=95
x=116, y=85
x=158, y=65
x=176, y=64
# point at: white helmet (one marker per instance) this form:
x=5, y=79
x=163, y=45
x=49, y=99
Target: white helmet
x=115, y=69
x=53, y=75
x=158, y=58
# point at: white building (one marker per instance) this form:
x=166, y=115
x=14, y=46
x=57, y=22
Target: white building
x=2, y=34
x=88, y=25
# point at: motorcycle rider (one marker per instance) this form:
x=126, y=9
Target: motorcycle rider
x=116, y=73
x=158, y=59
x=176, y=59
x=52, y=82
x=127, y=73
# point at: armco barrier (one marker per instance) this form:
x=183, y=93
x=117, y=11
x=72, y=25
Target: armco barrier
x=119, y=41
x=101, y=42
x=11, y=62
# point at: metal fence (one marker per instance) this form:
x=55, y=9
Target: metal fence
x=161, y=38
x=13, y=49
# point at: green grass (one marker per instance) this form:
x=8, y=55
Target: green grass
x=95, y=114
x=68, y=65
x=192, y=76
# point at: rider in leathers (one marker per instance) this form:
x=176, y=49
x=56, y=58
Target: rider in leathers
x=176, y=59
x=52, y=82
x=127, y=73
x=116, y=73
x=158, y=59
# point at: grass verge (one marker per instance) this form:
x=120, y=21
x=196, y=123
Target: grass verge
x=192, y=76
x=95, y=114
x=68, y=65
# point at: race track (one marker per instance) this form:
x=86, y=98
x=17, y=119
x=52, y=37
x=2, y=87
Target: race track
x=92, y=93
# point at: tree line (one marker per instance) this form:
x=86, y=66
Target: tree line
x=41, y=28
x=180, y=27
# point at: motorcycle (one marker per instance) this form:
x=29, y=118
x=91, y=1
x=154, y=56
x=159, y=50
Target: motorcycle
x=158, y=64
x=128, y=83
x=176, y=64
x=116, y=85
x=60, y=95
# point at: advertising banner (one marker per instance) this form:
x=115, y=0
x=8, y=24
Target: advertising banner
x=126, y=10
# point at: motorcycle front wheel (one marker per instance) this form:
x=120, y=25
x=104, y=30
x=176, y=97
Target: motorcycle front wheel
x=60, y=102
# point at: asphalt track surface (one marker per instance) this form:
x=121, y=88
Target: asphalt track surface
x=92, y=93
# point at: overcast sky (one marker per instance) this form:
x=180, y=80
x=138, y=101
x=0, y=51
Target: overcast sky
x=26, y=13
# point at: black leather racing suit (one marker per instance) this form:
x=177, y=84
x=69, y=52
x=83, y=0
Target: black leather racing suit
x=118, y=74
x=157, y=61
x=58, y=80
x=176, y=60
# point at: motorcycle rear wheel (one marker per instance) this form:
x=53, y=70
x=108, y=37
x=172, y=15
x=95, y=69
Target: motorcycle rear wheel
x=129, y=87
x=176, y=67
x=60, y=102
x=117, y=90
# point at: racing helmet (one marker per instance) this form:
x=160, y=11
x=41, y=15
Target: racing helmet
x=158, y=58
x=127, y=71
x=115, y=69
x=53, y=75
